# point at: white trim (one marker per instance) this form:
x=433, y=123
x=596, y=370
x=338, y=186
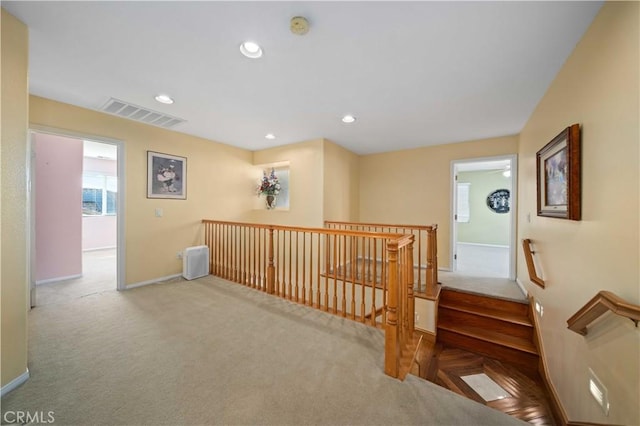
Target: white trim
x=483, y=245
x=100, y=248
x=524, y=290
x=15, y=383
x=513, y=160
x=55, y=280
x=120, y=227
x=152, y=281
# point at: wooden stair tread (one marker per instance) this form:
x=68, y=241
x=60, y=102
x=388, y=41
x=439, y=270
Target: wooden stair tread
x=488, y=313
x=512, y=342
x=456, y=297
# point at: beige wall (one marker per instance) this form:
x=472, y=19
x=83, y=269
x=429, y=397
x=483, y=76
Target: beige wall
x=598, y=88
x=13, y=251
x=414, y=186
x=216, y=185
x=305, y=184
x=341, y=184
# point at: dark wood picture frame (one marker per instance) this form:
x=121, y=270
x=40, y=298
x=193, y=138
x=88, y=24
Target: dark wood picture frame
x=558, y=176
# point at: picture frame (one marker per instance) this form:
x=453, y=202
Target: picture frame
x=166, y=176
x=558, y=176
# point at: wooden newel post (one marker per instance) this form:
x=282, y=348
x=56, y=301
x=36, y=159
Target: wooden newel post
x=410, y=300
x=432, y=261
x=271, y=269
x=391, y=332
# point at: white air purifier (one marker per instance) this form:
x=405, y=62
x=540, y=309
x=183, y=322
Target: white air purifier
x=195, y=262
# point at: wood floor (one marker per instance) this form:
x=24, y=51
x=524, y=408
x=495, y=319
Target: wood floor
x=446, y=365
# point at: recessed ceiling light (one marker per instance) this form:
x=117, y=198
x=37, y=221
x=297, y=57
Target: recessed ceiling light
x=348, y=119
x=270, y=136
x=251, y=50
x=164, y=99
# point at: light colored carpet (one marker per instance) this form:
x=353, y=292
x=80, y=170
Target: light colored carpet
x=502, y=288
x=213, y=352
x=98, y=275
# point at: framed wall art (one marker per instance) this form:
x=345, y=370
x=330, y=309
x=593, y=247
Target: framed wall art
x=558, y=176
x=166, y=176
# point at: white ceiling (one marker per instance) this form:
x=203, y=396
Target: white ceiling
x=413, y=73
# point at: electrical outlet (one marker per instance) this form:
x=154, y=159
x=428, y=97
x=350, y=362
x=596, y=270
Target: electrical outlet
x=179, y=255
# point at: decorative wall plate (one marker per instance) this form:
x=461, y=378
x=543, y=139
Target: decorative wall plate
x=499, y=201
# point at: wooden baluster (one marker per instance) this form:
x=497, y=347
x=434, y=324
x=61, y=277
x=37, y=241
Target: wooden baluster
x=290, y=261
x=255, y=261
x=318, y=282
x=261, y=280
x=235, y=253
x=362, y=282
x=304, y=265
x=344, y=275
x=271, y=270
x=336, y=256
x=420, y=289
x=352, y=270
x=297, y=264
x=430, y=290
x=280, y=265
x=224, y=251
x=263, y=250
x=245, y=276
x=391, y=346
x=373, y=283
x=410, y=296
x=327, y=242
x=384, y=279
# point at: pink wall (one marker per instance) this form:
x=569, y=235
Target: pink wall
x=99, y=231
x=58, y=207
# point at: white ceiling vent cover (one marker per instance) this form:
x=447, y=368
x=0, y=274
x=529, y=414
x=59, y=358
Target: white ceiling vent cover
x=138, y=113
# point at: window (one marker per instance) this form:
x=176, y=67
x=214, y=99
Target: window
x=463, y=213
x=99, y=194
x=283, y=177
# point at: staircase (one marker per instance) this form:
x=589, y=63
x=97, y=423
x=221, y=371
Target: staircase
x=496, y=328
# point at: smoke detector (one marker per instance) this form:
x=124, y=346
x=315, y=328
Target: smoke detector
x=299, y=25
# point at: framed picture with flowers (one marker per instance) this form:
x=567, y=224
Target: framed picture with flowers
x=166, y=176
x=269, y=187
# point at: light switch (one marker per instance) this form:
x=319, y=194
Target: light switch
x=158, y=212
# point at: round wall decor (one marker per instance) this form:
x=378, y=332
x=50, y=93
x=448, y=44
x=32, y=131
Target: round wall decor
x=499, y=200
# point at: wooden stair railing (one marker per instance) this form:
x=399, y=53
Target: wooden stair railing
x=363, y=276
x=531, y=266
x=602, y=302
x=425, y=258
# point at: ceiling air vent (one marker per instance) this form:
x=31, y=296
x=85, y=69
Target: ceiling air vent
x=144, y=115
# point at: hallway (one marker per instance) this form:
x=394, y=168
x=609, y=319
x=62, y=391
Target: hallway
x=98, y=275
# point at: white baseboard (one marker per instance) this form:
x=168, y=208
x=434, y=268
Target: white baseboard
x=484, y=245
x=153, y=281
x=14, y=383
x=100, y=248
x=55, y=280
x=524, y=290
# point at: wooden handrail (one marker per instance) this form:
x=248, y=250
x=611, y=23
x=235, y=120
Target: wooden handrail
x=364, y=276
x=602, y=302
x=531, y=267
x=425, y=249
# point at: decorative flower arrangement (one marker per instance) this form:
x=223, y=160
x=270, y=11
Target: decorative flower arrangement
x=269, y=184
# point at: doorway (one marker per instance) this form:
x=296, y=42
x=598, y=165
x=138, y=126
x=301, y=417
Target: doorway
x=76, y=204
x=483, y=221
